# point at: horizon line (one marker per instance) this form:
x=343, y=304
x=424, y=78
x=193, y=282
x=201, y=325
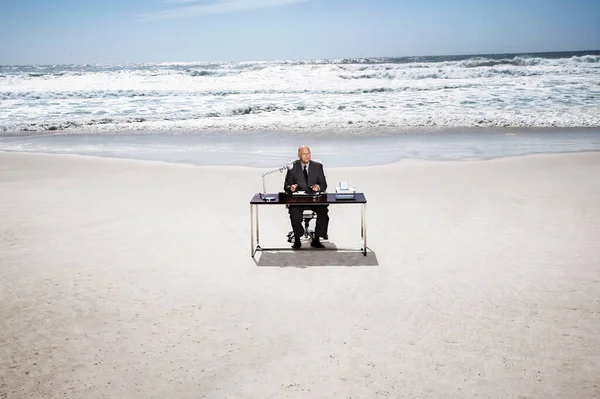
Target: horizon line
x=589, y=51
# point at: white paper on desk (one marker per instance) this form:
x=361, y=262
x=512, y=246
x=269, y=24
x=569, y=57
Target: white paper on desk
x=312, y=193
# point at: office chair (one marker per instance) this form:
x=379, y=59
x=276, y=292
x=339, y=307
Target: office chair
x=307, y=216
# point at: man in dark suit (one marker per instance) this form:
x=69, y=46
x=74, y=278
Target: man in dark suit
x=308, y=176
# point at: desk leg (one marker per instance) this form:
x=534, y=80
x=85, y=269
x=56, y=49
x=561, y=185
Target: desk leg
x=363, y=228
x=252, y=230
x=257, y=229
x=254, y=245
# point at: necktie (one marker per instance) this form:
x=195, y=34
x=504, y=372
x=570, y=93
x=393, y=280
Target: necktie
x=306, y=176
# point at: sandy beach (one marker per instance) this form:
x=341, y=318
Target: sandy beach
x=133, y=279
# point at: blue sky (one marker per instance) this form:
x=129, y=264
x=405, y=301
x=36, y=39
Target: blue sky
x=123, y=31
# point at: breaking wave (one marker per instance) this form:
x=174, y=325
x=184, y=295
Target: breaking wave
x=544, y=89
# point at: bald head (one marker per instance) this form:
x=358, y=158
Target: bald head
x=303, y=148
x=304, y=154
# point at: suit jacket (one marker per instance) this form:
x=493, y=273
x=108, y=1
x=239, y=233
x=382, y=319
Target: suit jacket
x=296, y=176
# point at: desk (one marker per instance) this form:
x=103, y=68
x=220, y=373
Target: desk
x=324, y=199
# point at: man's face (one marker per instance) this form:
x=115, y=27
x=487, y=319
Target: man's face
x=304, y=155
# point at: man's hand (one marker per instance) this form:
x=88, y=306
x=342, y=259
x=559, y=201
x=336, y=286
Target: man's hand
x=316, y=187
x=293, y=187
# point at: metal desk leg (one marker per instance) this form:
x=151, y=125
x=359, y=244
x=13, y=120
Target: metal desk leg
x=363, y=228
x=252, y=230
x=257, y=239
x=254, y=245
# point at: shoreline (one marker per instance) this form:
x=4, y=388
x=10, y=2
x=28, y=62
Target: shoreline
x=344, y=131
x=406, y=161
x=271, y=149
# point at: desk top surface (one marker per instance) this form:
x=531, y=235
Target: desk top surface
x=323, y=199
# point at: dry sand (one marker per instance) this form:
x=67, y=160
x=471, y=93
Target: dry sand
x=126, y=279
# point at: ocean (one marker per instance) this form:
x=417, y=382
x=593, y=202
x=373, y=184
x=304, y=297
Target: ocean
x=474, y=106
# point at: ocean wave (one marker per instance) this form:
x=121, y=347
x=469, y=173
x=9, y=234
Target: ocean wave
x=487, y=62
x=498, y=90
x=385, y=75
x=298, y=116
x=202, y=73
x=115, y=94
x=587, y=58
x=185, y=79
x=496, y=71
x=468, y=60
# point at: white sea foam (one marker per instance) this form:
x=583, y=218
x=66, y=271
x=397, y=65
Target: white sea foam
x=513, y=91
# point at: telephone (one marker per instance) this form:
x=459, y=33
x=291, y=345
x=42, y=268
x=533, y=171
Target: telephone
x=344, y=191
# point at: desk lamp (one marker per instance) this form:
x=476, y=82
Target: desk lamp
x=289, y=165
